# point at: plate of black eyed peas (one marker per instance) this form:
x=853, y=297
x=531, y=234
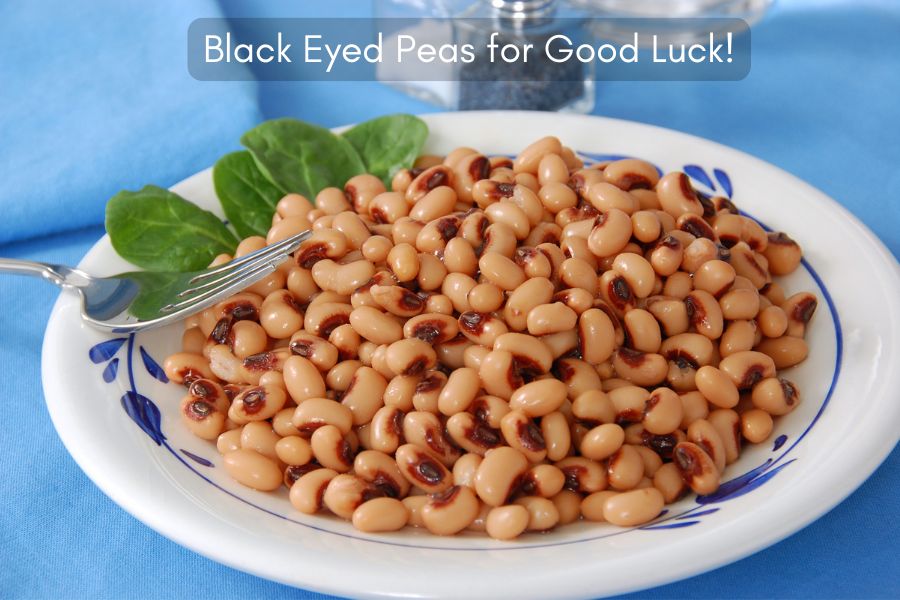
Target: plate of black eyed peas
x=549, y=349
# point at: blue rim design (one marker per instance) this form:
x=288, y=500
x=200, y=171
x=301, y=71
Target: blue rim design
x=147, y=417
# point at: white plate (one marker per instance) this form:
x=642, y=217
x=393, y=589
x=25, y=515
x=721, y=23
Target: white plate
x=845, y=426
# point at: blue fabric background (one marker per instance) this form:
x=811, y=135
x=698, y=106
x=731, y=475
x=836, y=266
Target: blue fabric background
x=75, y=126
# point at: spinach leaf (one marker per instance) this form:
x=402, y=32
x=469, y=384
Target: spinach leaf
x=388, y=144
x=155, y=290
x=247, y=197
x=300, y=157
x=161, y=231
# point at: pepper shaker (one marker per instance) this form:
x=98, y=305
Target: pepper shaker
x=537, y=83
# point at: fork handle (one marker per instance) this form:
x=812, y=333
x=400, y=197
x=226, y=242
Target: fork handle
x=35, y=269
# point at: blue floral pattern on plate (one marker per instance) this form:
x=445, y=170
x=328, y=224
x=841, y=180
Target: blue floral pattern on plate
x=146, y=415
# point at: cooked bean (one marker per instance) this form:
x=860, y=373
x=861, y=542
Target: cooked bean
x=783, y=254
x=717, y=387
x=611, y=232
x=696, y=468
x=507, y=522
x=705, y=435
x=746, y=369
x=633, y=508
x=602, y=441
x=776, y=395
x=662, y=412
x=252, y=469
x=422, y=469
x=772, y=321
x=380, y=514
x=539, y=398
x=451, y=510
x=542, y=513
x=784, y=351
x=728, y=425
x=582, y=474
x=498, y=474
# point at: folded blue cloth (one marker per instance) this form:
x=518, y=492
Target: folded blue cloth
x=95, y=97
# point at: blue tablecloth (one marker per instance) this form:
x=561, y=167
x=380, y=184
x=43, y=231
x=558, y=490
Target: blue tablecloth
x=820, y=101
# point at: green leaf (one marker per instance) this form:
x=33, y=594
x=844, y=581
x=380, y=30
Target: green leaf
x=247, y=197
x=388, y=144
x=300, y=157
x=156, y=289
x=161, y=231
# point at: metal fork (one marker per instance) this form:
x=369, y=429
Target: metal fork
x=140, y=300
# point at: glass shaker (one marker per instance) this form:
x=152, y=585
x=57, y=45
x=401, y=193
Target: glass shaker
x=535, y=84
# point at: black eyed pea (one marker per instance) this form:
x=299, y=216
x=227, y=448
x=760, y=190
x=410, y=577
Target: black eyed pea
x=746, y=369
x=193, y=340
x=646, y=226
x=578, y=299
x=521, y=433
x=616, y=292
x=678, y=285
x=451, y=354
x=543, y=480
x=578, y=376
x=631, y=174
x=201, y=417
x=539, y=398
x=557, y=196
x=260, y=437
x=421, y=468
x=229, y=441
x=542, y=513
x=776, y=395
x=740, y=304
x=375, y=325
x=248, y=338
x=403, y=231
x=633, y=508
x=433, y=237
x=698, y=252
x=293, y=450
x=625, y=468
x=365, y=394
x=756, y=425
x=376, y=248
x=428, y=180
x=715, y=277
x=252, y=469
x=669, y=482
x=583, y=474
x=747, y=264
x=611, y=233
x=485, y=298
x=465, y=468
x=705, y=435
x=481, y=328
x=552, y=168
x=772, y=321
x=784, y=351
x=705, y=314
x=450, y=511
x=696, y=467
x=415, y=504
x=361, y=189
x=428, y=390
x=460, y=390
x=410, y=356
x=677, y=196
x=501, y=271
x=257, y=403
x=696, y=226
x=303, y=379
x=322, y=244
x=473, y=355
x=341, y=278
x=694, y=406
x=530, y=354
x=629, y=402
x=568, y=505
x=592, y=505
x=437, y=203
x=602, y=441
x=425, y=429
x=403, y=260
x=380, y=470
x=331, y=448
x=507, y=522
x=324, y=317
x=380, y=515
x=529, y=159
x=728, y=425
x=345, y=493
x=643, y=330
x=434, y=328
x=456, y=288
x=739, y=336
x=597, y=336
x=641, y=368
x=663, y=412
x=637, y=271
x=184, y=367
x=595, y=407
x=499, y=474
x=671, y=313
x=556, y=434
x=667, y=255
x=386, y=207
x=340, y=375
x=472, y=434
x=532, y=293
x=321, y=353
x=799, y=309
x=783, y=254
x=717, y=387
x=652, y=460
x=307, y=492
x=386, y=428
x=550, y=318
